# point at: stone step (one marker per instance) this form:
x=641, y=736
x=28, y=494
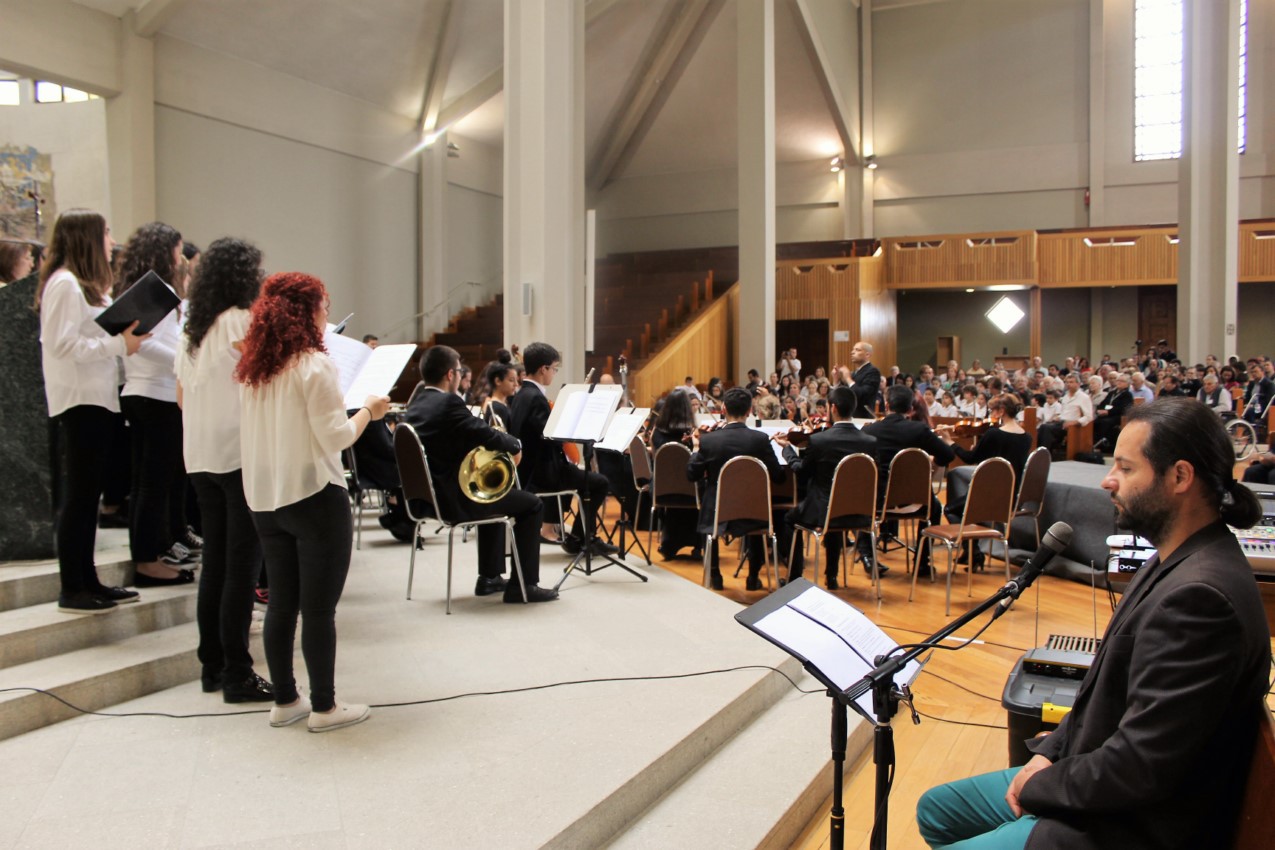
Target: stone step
x=24, y=583
x=41, y=631
x=710, y=807
x=96, y=677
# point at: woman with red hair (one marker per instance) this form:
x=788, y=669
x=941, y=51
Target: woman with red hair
x=293, y=429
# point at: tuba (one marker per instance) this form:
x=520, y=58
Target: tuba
x=487, y=475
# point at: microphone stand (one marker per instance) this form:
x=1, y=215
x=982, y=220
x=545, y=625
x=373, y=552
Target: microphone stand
x=885, y=700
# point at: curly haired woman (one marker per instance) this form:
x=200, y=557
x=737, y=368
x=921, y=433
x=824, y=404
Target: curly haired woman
x=293, y=429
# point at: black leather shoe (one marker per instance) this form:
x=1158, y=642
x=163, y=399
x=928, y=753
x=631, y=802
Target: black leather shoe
x=535, y=593
x=210, y=680
x=715, y=581
x=84, y=602
x=830, y=583
x=753, y=583
x=182, y=577
x=488, y=586
x=118, y=595
x=571, y=545
x=252, y=689
x=925, y=571
x=601, y=547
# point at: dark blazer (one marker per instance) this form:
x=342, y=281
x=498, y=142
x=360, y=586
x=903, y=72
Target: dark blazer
x=717, y=447
x=895, y=433
x=995, y=442
x=1156, y=750
x=448, y=431
x=866, y=388
x=818, y=463
x=1117, y=404
x=541, y=458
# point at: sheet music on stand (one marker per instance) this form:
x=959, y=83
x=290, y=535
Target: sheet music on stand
x=583, y=412
x=364, y=371
x=835, y=641
x=624, y=427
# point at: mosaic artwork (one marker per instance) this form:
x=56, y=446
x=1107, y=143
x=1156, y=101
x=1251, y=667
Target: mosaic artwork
x=26, y=193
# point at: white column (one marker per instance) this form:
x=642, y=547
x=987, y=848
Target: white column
x=130, y=135
x=1208, y=181
x=433, y=240
x=866, y=190
x=544, y=176
x=755, y=41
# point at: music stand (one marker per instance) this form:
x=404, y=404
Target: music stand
x=581, y=414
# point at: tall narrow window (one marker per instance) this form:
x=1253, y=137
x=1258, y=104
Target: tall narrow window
x=1157, y=82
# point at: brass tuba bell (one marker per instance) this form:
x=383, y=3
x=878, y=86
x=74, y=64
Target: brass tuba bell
x=487, y=475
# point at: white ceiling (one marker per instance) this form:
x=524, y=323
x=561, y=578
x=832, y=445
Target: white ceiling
x=381, y=51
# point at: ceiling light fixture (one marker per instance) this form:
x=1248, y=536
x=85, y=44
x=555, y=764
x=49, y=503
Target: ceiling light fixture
x=837, y=164
x=871, y=162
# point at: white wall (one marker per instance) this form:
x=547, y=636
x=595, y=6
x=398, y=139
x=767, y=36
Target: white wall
x=74, y=135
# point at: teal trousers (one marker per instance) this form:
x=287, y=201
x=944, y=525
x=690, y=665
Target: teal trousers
x=971, y=814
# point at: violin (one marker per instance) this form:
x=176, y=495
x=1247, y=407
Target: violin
x=799, y=437
x=971, y=427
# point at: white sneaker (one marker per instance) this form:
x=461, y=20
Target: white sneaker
x=286, y=715
x=339, y=717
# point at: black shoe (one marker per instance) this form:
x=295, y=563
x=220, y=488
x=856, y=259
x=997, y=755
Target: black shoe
x=882, y=569
x=211, y=680
x=601, y=547
x=535, y=593
x=85, y=602
x=252, y=689
x=118, y=595
x=667, y=554
x=572, y=545
x=182, y=577
x=715, y=581
x=830, y=583
x=488, y=586
x=925, y=571
x=753, y=583
x=192, y=541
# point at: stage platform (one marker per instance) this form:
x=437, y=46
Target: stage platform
x=733, y=759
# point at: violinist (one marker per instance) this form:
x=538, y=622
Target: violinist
x=675, y=424
x=815, y=469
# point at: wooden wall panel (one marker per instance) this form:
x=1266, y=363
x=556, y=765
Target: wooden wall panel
x=1088, y=257
x=960, y=259
x=1257, y=251
x=878, y=313
x=821, y=289
x=705, y=348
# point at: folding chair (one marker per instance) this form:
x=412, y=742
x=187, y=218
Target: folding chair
x=1031, y=493
x=670, y=488
x=418, y=488
x=743, y=495
x=907, y=496
x=783, y=499
x=360, y=493
x=640, y=462
x=990, y=500
x=854, y=494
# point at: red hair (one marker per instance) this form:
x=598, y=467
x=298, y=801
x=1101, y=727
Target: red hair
x=282, y=326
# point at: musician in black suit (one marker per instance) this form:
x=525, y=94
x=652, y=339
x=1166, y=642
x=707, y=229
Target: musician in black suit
x=546, y=467
x=712, y=450
x=1108, y=416
x=893, y=434
x=448, y=431
x=865, y=381
x=1157, y=747
x=815, y=469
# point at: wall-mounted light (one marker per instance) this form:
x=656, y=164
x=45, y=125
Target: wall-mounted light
x=453, y=150
x=837, y=164
x=871, y=162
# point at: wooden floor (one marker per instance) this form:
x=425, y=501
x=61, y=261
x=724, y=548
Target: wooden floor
x=955, y=688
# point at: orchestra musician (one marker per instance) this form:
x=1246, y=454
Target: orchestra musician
x=1156, y=750
x=712, y=450
x=448, y=431
x=674, y=425
x=815, y=469
x=547, y=467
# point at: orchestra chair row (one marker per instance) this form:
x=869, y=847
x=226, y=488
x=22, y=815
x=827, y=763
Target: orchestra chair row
x=852, y=508
x=669, y=487
x=640, y=469
x=743, y=495
x=418, y=490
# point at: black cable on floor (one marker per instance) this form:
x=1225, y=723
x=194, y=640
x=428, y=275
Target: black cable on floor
x=74, y=707
x=959, y=685
x=985, y=643
x=960, y=722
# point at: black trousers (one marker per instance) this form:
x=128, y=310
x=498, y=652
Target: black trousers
x=1259, y=474
x=232, y=562
x=590, y=484
x=832, y=545
x=83, y=464
x=1106, y=428
x=527, y=511
x=307, y=546
x=118, y=476
x=157, y=504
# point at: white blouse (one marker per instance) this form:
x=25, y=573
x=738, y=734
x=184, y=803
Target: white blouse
x=149, y=372
x=292, y=432
x=210, y=396
x=80, y=359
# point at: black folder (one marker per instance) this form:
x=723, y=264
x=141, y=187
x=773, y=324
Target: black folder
x=146, y=302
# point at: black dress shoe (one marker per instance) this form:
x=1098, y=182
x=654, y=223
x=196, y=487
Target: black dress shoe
x=210, y=680
x=182, y=577
x=601, y=547
x=118, y=595
x=715, y=581
x=830, y=583
x=535, y=593
x=925, y=571
x=753, y=583
x=488, y=586
x=252, y=689
x=572, y=545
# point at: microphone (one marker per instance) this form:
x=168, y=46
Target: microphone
x=1055, y=540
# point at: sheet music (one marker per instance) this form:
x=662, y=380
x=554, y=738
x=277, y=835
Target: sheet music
x=771, y=431
x=364, y=371
x=624, y=427
x=585, y=415
x=349, y=355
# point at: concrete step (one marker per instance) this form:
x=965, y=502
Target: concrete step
x=24, y=583
x=41, y=631
x=96, y=677
x=712, y=808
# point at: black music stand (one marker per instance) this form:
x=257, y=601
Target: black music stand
x=581, y=414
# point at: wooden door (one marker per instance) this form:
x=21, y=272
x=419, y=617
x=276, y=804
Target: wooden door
x=809, y=337
x=1157, y=316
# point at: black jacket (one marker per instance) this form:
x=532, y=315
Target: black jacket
x=866, y=388
x=895, y=433
x=528, y=413
x=818, y=463
x=717, y=447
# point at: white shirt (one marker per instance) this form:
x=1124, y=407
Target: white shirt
x=80, y=359
x=1076, y=407
x=292, y=432
x=149, y=372
x=210, y=396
